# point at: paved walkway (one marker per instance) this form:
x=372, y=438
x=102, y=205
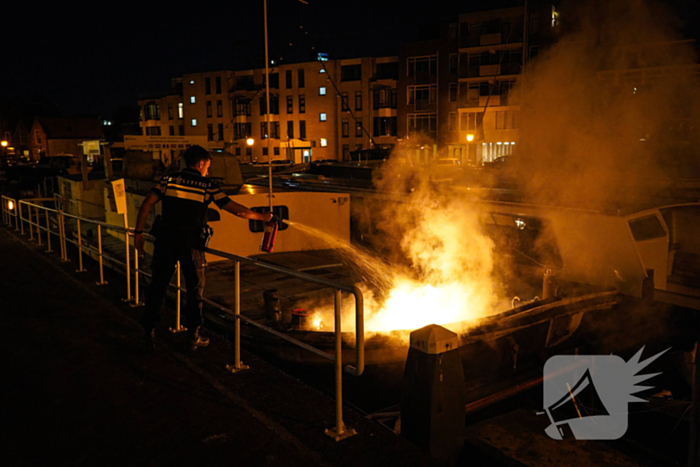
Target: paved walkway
x=77, y=389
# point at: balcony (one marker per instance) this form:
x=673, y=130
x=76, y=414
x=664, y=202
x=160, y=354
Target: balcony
x=489, y=70
x=385, y=112
x=490, y=39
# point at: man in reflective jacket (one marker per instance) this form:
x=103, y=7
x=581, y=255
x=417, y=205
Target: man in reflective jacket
x=185, y=195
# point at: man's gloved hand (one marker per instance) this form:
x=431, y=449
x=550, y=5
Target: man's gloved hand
x=277, y=219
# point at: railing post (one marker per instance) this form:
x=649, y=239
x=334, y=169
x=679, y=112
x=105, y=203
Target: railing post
x=48, y=233
x=340, y=431
x=38, y=225
x=137, y=302
x=21, y=219
x=128, y=268
x=178, y=327
x=29, y=220
x=80, y=249
x=16, y=214
x=237, y=364
x=99, y=249
x=64, y=246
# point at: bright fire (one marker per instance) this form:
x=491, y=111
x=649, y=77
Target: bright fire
x=450, y=279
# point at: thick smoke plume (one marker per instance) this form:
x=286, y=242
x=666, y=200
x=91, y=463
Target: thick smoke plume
x=605, y=113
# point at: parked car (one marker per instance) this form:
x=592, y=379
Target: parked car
x=501, y=171
x=449, y=161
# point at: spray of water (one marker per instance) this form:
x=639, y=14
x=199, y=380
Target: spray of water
x=374, y=271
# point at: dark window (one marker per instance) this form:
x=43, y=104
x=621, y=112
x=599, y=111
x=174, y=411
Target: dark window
x=219, y=109
x=358, y=128
x=276, y=151
x=275, y=130
x=218, y=84
x=647, y=228
x=265, y=151
x=181, y=130
x=238, y=151
x=385, y=126
x=170, y=111
x=274, y=80
x=281, y=212
x=263, y=105
x=346, y=152
x=172, y=130
x=453, y=32
x=452, y=124
x=241, y=107
x=453, y=63
x=453, y=92
x=358, y=100
x=210, y=132
x=302, y=129
x=245, y=83
x=350, y=72
x=208, y=108
x=248, y=151
x=290, y=129
x=534, y=50
x=344, y=97
x=207, y=85
x=275, y=105
x=422, y=66
x=288, y=79
x=263, y=130
x=301, y=78
x=388, y=70
x=346, y=128
x=290, y=105
x=302, y=104
x=220, y=128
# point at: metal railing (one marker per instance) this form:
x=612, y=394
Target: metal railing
x=34, y=222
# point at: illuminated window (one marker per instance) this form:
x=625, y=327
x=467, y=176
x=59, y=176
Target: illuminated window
x=322, y=116
x=192, y=99
x=194, y=122
x=322, y=91
x=324, y=142
x=191, y=81
x=180, y=111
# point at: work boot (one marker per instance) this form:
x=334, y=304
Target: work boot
x=196, y=340
x=149, y=339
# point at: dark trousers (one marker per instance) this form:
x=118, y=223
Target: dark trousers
x=193, y=265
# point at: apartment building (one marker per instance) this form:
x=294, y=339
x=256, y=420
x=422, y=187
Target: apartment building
x=318, y=110
x=456, y=99
x=207, y=110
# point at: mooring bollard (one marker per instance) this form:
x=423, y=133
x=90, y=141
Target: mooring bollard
x=432, y=396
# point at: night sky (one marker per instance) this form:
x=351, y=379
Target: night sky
x=95, y=60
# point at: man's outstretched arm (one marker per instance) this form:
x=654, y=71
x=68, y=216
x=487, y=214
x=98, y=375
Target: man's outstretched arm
x=242, y=211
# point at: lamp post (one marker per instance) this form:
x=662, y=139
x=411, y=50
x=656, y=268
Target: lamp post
x=470, y=139
x=250, y=142
x=267, y=97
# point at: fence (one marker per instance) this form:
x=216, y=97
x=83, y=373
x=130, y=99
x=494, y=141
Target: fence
x=32, y=214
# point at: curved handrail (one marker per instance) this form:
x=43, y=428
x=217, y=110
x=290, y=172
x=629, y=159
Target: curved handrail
x=354, y=290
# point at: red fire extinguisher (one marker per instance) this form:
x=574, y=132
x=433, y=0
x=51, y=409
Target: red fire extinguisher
x=268, y=240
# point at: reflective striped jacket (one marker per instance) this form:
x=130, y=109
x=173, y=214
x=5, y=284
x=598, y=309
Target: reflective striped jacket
x=186, y=196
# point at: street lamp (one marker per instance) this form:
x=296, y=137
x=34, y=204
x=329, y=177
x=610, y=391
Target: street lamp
x=470, y=137
x=250, y=141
